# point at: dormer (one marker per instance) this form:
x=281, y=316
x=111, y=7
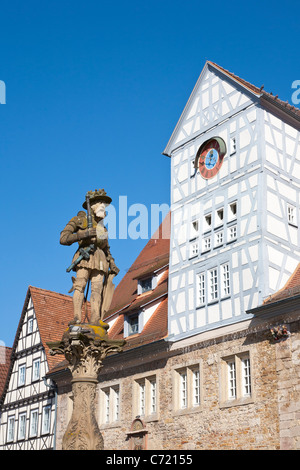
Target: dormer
x=146, y=284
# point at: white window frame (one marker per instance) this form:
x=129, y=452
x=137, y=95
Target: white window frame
x=194, y=249
x=21, y=375
x=46, y=419
x=232, y=145
x=232, y=233
x=201, y=289
x=237, y=380
x=232, y=211
x=225, y=280
x=213, y=284
x=110, y=405
x=206, y=244
x=30, y=325
x=145, y=397
x=22, y=426
x=10, y=428
x=36, y=369
x=34, y=421
x=291, y=215
x=219, y=238
x=187, y=392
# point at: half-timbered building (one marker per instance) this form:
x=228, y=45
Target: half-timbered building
x=28, y=402
x=210, y=309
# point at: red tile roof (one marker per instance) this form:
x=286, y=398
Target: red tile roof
x=5, y=360
x=291, y=288
x=152, y=258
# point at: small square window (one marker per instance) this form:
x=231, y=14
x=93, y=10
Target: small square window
x=291, y=214
x=146, y=284
x=220, y=216
x=232, y=211
x=207, y=222
x=206, y=245
x=133, y=324
x=219, y=238
x=232, y=145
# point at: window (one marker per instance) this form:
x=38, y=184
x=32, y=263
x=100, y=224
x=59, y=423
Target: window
x=36, y=369
x=46, y=419
x=183, y=390
x=146, y=284
x=236, y=379
x=10, y=428
x=22, y=426
x=30, y=325
x=213, y=284
x=187, y=383
x=232, y=145
x=206, y=244
x=194, y=229
x=193, y=249
x=207, y=222
x=291, y=214
x=220, y=217
x=200, y=289
x=219, y=238
x=232, y=211
x=21, y=375
x=110, y=398
x=231, y=380
x=153, y=396
x=133, y=324
x=33, y=423
x=246, y=377
x=145, y=397
x=225, y=280
x=232, y=233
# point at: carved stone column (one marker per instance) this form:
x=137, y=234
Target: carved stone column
x=84, y=346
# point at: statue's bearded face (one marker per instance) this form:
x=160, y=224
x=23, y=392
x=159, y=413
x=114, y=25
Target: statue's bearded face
x=99, y=209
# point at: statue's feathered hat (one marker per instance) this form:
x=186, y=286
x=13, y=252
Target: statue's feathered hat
x=97, y=195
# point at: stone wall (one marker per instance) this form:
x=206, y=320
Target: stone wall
x=268, y=419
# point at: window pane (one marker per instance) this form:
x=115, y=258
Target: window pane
x=246, y=377
x=183, y=390
x=153, y=395
x=225, y=280
x=11, y=428
x=142, y=398
x=46, y=419
x=33, y=423
x=231, y=380
x=196, y=388
x=201, y=289
x=213, y=280
x=133, y=325
x=22, y=426
x=21, y=378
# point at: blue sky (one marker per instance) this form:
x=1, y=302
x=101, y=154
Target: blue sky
x=93, y=92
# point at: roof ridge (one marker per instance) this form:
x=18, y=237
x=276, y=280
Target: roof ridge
x=255, y=89
x=49, y=292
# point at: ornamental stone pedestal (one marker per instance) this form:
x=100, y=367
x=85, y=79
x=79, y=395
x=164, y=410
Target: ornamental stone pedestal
x=84, y=346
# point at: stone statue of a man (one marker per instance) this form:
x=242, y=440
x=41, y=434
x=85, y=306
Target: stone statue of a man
x=92, y=261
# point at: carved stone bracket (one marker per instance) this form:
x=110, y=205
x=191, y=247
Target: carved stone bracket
x=84, y=346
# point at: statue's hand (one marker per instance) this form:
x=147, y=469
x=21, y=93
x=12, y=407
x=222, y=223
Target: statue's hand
x=113, y=268
x=88, y=233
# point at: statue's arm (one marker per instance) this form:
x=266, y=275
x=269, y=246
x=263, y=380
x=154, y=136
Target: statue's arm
x=70, y=233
